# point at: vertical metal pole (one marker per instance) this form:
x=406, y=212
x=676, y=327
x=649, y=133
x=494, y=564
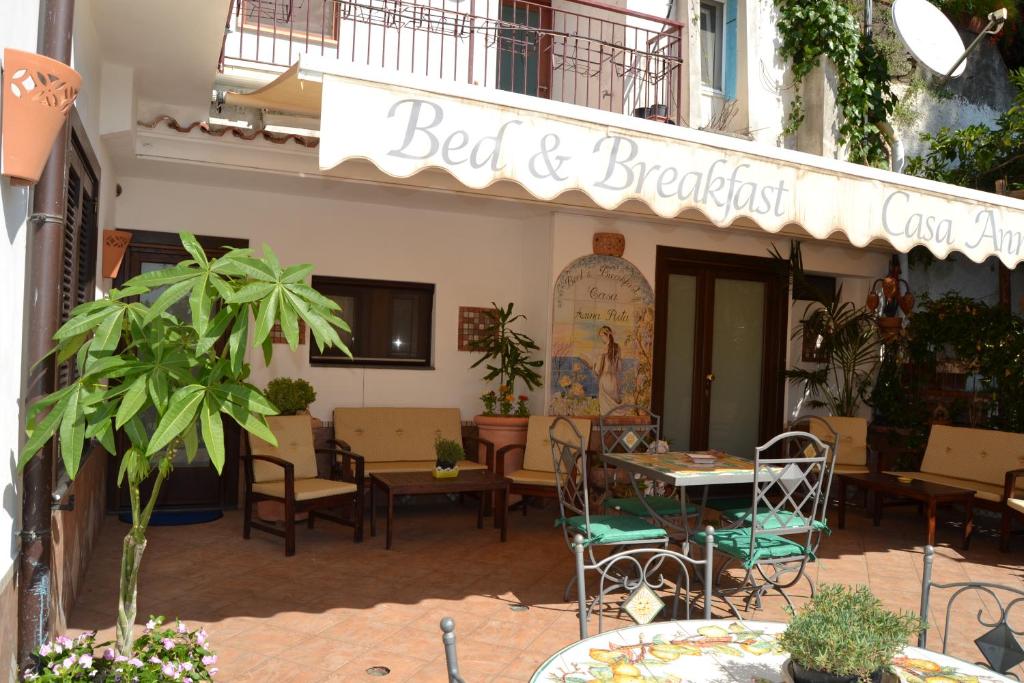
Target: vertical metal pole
x=451, y=657
x=926, y=586
x=709, y=572
x=581, y=584
x=45, y=243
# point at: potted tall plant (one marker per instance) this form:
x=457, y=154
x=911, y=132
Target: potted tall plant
x=506, y=355
x=845, y=635
x=132, y=358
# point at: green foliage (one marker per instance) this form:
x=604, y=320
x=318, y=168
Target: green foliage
x=290, y=396
x=449, y=453
x=847, y=632
x=507, y=354
x=810, y=29
x=134, y=360
x=977, y=156
x=988, y=340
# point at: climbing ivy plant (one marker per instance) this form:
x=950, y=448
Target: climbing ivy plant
x=811, y=29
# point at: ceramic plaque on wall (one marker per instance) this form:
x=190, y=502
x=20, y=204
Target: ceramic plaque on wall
x=602, y=337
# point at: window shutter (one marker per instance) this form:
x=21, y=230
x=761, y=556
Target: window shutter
x=731, y=47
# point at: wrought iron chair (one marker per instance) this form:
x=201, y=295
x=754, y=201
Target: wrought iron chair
x=635, y=429
x=738, y=514
x=640, y=573
x=568, y=451
x=783, y=527
x=999, y=646
x=451, y=657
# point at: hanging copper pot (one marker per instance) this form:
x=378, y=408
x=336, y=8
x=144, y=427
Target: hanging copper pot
x=872, y=302
x=907, y=303
x=890, y=285
x=890, y=327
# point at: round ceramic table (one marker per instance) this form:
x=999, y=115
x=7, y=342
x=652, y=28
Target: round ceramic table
x=721, y=651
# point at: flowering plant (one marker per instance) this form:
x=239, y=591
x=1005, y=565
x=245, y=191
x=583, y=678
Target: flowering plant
x=169, y=654
x=506, y=355
x=522, y=410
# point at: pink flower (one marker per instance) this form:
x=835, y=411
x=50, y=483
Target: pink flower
x=109, y=655
x=45, y=649
x=186, y=666
x=213, y=672
x=169, y=671
x=135, y=661
x=186, y=680
x=182, y=628
x=154, y=660
x=168, y=643
x=150, y=625
x=64, y=641
x=209, y=660
x=201, y=637
x=86, y=661
x=69, y=662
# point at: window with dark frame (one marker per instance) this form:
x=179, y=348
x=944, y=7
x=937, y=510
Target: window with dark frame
x=392, y=323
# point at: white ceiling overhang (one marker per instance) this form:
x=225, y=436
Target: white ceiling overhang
x=404, y=125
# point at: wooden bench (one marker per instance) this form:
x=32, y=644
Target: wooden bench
x=979, y=460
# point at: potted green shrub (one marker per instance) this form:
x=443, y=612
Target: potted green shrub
x=844, y=635
x=449, y=453
x=291, y=396
x=507, y=357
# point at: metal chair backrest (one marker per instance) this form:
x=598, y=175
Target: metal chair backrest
x=569, y=453
x=1003, y=598
x=788, y=488
x=451, y=658
x=824, y=430
x=637, y=569
x=626, y=429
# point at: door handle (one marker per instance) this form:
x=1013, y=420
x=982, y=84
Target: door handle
x=710, y=377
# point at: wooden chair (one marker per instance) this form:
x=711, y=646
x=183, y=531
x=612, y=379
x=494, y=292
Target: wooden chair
x=287, y=474
x=1013, y=506
x=536, y=477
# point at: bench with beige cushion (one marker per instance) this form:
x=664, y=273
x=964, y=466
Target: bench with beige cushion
x=975, y=459
x=402, y=439
x=852, y=448
x=534, y=473
x=287, y=474
x=1014, y=506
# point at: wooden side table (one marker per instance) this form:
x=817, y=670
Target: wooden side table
x=931, y=495
x=483, y=482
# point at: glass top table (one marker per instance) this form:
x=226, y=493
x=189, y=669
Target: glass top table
x=724, y=651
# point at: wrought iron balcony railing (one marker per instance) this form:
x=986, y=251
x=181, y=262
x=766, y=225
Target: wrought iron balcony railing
x=594, y=55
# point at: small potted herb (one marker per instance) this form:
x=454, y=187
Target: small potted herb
x=449, y=453
x=845, y=635
x=291, y=396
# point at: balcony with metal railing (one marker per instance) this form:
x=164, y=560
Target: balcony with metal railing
x=580, y=52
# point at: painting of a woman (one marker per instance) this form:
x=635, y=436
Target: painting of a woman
x=608, y=370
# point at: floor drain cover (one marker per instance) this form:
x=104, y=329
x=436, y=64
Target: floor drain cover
x=518, y=607
x=378, y=671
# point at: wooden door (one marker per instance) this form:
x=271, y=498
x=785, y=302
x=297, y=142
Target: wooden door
x=195, y=484
x=719, y=349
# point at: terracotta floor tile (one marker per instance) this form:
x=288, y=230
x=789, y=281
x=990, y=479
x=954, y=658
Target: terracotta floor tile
x=337, y=608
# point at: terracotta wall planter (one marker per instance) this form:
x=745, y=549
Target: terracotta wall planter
x=115, y=243
x=38, y=94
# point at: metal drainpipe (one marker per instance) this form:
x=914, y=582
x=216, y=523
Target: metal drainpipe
x=45, y=237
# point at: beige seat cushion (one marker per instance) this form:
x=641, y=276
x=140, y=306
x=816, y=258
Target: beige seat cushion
x=294, y=435
x=537, y=456
x=851, y=469
x=415, y=466
x=532, y=478
x=852, y=448
x=396, y=434
x=306, y=489
x=986, y=455
x=981, y=489
x=1016, y=504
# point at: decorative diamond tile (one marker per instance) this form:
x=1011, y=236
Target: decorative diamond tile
x=630, y=440
x=1001, y=649
x=643, y=604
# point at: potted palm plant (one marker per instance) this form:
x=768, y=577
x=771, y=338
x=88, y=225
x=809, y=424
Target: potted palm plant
x=845, y=635
x=506, y=355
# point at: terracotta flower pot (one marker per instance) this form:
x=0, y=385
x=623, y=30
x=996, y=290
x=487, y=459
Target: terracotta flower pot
x=115, y=243
x=38, y=94
x=503, y=430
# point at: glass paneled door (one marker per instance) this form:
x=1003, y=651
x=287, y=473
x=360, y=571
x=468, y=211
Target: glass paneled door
x=719, y=349
x=193, y=484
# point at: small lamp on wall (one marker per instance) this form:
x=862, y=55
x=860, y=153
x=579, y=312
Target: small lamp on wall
x=37, y=98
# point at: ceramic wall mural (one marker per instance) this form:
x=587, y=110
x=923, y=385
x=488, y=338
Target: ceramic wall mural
x=602, y=337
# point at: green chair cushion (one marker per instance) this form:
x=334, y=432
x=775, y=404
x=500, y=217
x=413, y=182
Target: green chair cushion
x=664, y=505
x=736, y=543
x=611, y=529
x=778, y=520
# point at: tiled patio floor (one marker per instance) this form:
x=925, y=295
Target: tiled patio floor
x=335, y=608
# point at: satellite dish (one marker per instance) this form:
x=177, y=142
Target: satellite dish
x=930, y=37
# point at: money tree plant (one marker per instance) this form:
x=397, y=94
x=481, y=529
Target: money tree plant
x=134, y=360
